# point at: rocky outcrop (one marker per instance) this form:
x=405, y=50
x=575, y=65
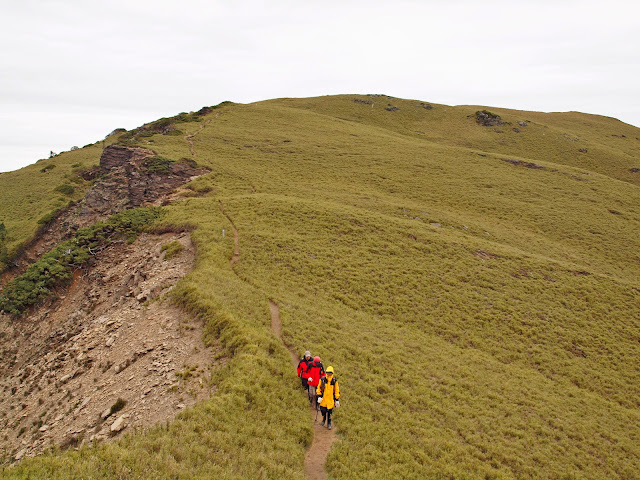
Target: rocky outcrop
x=127, y=177
x=131, y=177
x=488, y=119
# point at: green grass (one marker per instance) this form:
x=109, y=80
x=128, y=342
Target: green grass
x=482, y=316
x=171, y=249
x=33, y=192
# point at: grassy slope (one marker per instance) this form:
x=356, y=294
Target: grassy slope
x=28, y=195
x=501, y=344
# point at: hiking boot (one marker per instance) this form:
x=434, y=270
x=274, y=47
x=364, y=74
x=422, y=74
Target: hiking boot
x=322, y=424
x=330, y=426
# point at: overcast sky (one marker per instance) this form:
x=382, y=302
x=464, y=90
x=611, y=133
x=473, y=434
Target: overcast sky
x=72, y=71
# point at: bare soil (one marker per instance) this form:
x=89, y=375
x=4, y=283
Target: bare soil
x=111, y=335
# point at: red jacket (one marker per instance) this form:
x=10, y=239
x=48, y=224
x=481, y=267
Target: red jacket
x=303, y=367
x=316, y=372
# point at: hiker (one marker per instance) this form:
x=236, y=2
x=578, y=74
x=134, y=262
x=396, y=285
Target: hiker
x=314, y=374
x=303, y=368
x=328, y=396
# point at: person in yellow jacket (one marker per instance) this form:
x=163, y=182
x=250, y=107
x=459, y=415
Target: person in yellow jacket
x=328, y=396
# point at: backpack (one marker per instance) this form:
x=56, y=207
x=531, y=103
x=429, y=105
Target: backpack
x=323, y=381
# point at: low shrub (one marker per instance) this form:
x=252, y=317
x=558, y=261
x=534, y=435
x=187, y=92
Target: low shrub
x=116, y=407
x=158, y=164
x=65, y=189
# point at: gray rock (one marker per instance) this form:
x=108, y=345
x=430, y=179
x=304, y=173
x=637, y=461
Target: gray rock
x=119, y=424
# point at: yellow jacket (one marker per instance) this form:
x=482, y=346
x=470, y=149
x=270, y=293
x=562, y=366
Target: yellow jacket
x=325, y=390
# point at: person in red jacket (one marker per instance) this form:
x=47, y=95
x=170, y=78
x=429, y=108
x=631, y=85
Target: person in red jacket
x=303, y=367
x=314, y=374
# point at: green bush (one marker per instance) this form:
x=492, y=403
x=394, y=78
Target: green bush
x=65, y=189
x=51, y=166
x=158, y=164
x=116, y=407
x=48, y=217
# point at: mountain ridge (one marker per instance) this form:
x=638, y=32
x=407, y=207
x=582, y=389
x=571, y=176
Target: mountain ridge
x=476, y=294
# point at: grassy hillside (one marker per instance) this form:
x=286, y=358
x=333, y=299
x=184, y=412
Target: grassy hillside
x=30, y=196
x=475, y=288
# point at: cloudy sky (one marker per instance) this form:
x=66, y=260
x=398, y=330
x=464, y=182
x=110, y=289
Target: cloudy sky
x=72, y=70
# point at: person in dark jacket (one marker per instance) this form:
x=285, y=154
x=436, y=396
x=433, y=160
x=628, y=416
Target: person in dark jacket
x=303, y=368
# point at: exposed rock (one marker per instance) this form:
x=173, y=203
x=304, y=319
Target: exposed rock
x=125, y=179
x=117, y=155
x=391, y=108
x=522, y=124
x=20, y=454
x=64, y=340
x=425, y=105
x=119, y=424
x=366, y=102
x=488, y=119
x=583, y=150
x=522, y=163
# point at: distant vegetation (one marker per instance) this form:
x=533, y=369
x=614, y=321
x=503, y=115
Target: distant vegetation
x=476, y=291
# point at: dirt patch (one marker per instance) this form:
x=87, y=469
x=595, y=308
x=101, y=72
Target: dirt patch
x=522, y=163
x=236, y=239
x=110, y=336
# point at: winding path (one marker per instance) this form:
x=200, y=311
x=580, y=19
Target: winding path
x=236, y=238
x=323, y=438
x=189, y=139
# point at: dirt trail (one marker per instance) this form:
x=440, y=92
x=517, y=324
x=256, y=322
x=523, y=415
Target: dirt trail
x=189, y=139
x=236, y=238
x=323, y=438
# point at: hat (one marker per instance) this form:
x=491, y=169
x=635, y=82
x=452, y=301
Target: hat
x=307, y=353
x=329, y=370
x=316, y=359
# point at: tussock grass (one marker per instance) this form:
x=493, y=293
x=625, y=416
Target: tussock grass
x=482, y=316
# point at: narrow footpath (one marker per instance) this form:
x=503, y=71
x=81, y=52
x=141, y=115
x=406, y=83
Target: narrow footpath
x=323, y=438
x=189, y=139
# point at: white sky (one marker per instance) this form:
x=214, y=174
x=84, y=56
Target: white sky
x=71, y=71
